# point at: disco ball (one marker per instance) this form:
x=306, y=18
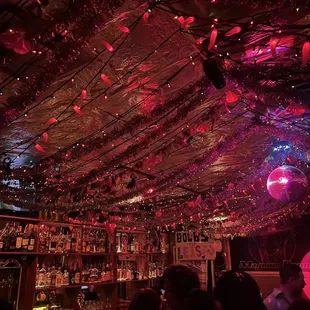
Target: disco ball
x=287, y=184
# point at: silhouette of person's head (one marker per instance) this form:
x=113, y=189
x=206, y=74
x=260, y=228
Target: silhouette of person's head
x=238, y=291
x=292, y=279
x=145, y=299
x=200, y=300
x=179, y=281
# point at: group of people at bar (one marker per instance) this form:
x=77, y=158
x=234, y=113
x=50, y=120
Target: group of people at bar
x=234, y=291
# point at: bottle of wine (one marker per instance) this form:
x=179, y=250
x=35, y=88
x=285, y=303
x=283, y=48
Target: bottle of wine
x=25, y=239
x=67, y=242
x=73, y=242
x=72, y=275
x=53, y=242
x=77, y=277
x=13, y=237
x=108, y=273
x=32, y=239
x=60, y=239
x=19, y=239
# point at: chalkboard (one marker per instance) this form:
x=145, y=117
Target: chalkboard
x=268, y=253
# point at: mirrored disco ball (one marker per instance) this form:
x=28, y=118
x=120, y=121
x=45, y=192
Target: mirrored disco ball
x=287, y=184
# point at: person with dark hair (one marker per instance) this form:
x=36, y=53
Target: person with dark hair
x=179, y=281
x=200, y=300
x=292, y=284
x=145, y=299
x=238, y=291
x=300, y=305
x=5, y=305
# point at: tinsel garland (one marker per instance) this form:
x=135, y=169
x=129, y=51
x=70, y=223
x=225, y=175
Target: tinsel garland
x=134, y=149
x=84, y=147
x=228, y=144
x=58, y=60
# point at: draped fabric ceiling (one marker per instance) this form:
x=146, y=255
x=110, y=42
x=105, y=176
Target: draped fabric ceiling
x=106, y=108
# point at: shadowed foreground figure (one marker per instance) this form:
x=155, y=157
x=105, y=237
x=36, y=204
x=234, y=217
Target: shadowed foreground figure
x=179, y=282
x=145, y=299
x=238, y=291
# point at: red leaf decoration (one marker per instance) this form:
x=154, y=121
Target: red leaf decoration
x=39, y=148
x=305, y=53
x=108, y=46
x=203, y=127
x=51, y=121
x=83, y=94
x=146, y=16
x=213, y=37
x=200, y=40
x=273, y=45
x=45, y=136
x=123, y=28
x=185, y=22
x=78, y=110
x=296, y=109
x=15, y=41
x=231, y=97
x=105, y=79
x=233, y=31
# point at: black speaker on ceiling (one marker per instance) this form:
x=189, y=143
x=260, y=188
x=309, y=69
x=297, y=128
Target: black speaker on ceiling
x=213, y=73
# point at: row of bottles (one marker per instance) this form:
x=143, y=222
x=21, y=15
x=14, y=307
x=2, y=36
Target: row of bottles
x=75, y=240
x=137, y=243
x=16, y=238
x=47, y=277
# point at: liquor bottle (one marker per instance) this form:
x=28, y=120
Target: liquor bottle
x=1, y=240
x=88, y=243
x=67, y=243
x=13, y=238
x=108, y=273
x=48, y=282
x=84, y=242
x=72, y=275
x=58, y=277
x=91, y=274
x=53, y=276
x=73, y=242
x=78, y=241
x=77, y=276
x=60, y=244
x=101, y=243
x=42, y=276
x=102, y=274
x=32, y=239
x=91, y=242
x=37, y=275
x=84, y=274
x=53, y=242
x=6, y=238
x=106, y=244
x=65, y=278
x=19, y=239
x=43, y=239
x=96, y=274
x=25, y=240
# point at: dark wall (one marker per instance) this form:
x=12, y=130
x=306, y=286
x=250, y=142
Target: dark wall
x=268, y=253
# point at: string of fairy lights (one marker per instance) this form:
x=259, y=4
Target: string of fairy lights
x=251, y=26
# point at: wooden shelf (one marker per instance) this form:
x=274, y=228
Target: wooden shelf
x=19, y=218
x=39, y=289
x=56, y=254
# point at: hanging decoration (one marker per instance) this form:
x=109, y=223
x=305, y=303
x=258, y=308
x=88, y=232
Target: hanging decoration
x=77, y=110
x=108, y=46
x=273, y=46
x=287, y=184
x=123, y=28
x=106, y=79
x=305, y=53
x=233, y=31
x=45, y=137
x=185, y=22
x=213, y=37
x=83, y=94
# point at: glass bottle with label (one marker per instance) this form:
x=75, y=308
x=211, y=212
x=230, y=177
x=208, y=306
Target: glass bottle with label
x=53, y=276
x=59, y=277
x=19, y=239
x=53, y=242
x=1, y=240
x=73, y=242
x=42, y=276
x=77, y=277
x=48, y=282
x=108, y=273
x=72, y=275
x=67, y=246
x=25, y=240
x=13, y=237
x=65, y=278
x=32, y=239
